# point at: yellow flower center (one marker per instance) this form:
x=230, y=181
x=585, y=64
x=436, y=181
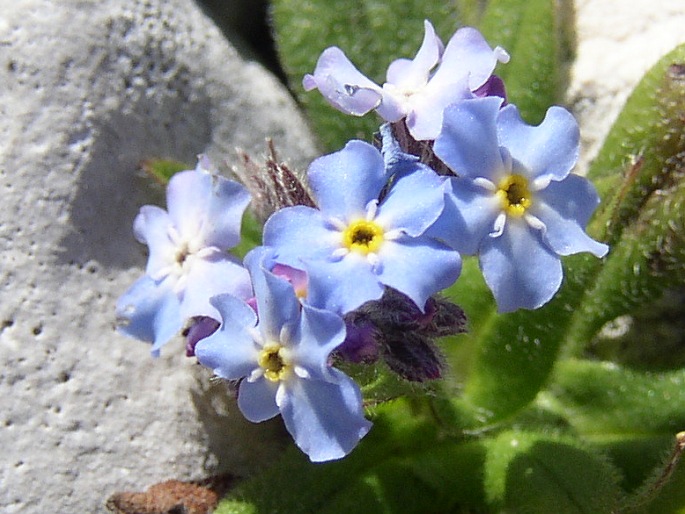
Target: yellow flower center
x=274, y=363
x=514, y=194
x=363, y=236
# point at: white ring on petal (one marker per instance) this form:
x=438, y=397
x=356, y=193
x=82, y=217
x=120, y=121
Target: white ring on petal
x=301, y=372
x=256, y=374
x=540, y=183
x=498, y=227
x=395, y=233
x=339, y=254
x=335, y=223
x=485, y=184
x=535, y=223
x=371, y=210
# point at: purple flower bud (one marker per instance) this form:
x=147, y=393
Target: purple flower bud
x=361, y=340
x=201, y=327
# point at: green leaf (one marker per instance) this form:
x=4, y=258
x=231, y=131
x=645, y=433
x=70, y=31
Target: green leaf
x=373, y=33
x=401, y=466
x=645, y=144
x=648, y=259
x=603, y=399
x=250, y=235
x=514, y=353
x=538, y=34
x=632, y=416
x=161, y=170
x=536, y=473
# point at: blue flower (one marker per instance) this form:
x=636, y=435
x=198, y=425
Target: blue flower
x=281, y=357
x=354, y=244
x=412, y=90
x=515, y=202
x=188, y=259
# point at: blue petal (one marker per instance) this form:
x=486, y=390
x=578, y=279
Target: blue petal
x=321, y=332
x=298, y=233
x=277, y=304
x=325, y=419
x=425, y=119
x=548, y=151
x=208, y=278
x=413, y=202
x=257, y=400
x=151, y=227
x=468, y=142
x=231, y=351
x=188, y=196
x=396, y=161
x=519, y=268
x=469, y=216
x=413, y=74
x=342, y=84
x=149, y=311
x=418, y=267
x=228, y=201
x=565, y=208
x=342, y=286
x=467, y=55
x=344, y=182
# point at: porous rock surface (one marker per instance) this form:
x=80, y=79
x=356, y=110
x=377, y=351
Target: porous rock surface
x=88, y=90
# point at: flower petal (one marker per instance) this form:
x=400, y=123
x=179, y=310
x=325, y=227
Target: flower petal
x=257, y=400
x=423, y=191
x=325, y=419
x=425, y=118
x=412, y=74
x=467, y=55
x=207, y=278
x=342, y=286
x=344, y=182
x=188, y=195
x=565, y=208
x=418, y=267
x=469, y=215
x=468, y=142
x=151, y=227
x=550, y=150
x=299, y=233
x=321, y=332
x=277, y=304
x=225, y=209
x=342, y=84
x=231, y=351
x=519, y=268
x=149, y=311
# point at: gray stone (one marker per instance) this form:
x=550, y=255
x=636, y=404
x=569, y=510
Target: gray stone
x=88, y=90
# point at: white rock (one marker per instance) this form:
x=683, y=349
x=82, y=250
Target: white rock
x=617, y=43
x=87, y=90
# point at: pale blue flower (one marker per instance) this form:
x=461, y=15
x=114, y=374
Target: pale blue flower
x=418, y=89
x=188, y=256
x=357, y=242
x=281, y=357
x=514, y=202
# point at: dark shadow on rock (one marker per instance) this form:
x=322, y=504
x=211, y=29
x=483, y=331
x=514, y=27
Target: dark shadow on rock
x=234, y=444
x=111, y=187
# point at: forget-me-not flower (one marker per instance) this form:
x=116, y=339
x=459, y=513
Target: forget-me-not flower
x=188, y=256
x=515, y=202
x=281, y=355
x=414, y=89
x=356, y=242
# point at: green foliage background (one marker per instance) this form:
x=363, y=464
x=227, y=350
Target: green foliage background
x=542, y=411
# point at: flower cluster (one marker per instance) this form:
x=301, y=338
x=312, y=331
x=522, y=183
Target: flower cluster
x=353, y=270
